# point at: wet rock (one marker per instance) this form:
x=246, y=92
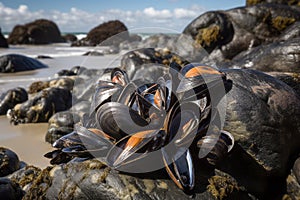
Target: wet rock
x=293, y=188
x=11, y=98
x=296, y=170
x=3, y=41
x=93, y=53
x=279, y=56
x=43, y=57
x=289, y=2
x=15, y=63
x=62, y=82
x=76, y=70
x=61, y=124
x=70, y=38
x=40, y=31
x=263, y=116
x=138, y=59
x=93, y=180
x=228, y=33
x=42, y=105
x=25, y=176
x=10, y=190
x=101, y=33
x=9, y=161
x=291, y=79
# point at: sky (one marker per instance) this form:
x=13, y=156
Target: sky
x=82, y=16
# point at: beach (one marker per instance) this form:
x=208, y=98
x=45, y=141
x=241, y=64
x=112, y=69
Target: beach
x=28, y=140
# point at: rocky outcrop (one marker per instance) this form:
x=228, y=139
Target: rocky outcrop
x=225, y=34
x=100, y=34
x=40, y=31
x=16, y=63
x=11, y=98
x=3, y=41
x=9, y=162
x=10, y=190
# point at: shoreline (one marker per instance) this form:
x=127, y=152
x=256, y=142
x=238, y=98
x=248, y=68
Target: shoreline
x=27, y=141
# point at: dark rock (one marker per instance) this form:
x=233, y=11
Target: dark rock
x=3, y=41
x=293, y=188
x=291, y=79
x=76, y=70
x=70, y=37
x=43, y=57
x=286, y=2
x=101, y=33
x=41, y=31
x=93, y=53
x=293, y=31
x=227, y=33
x=263, y=116
x=25, y=176
x=279, y=56
x=42, y=105
x=93, y=180
x=16, y=63
x=10, y=190
x=11, y=98
x=138, y=59
x=296, y=169
x=9, y=161
x=61, y=82
x=61, y=124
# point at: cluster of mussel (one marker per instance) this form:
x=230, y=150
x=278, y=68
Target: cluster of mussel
x=130, y=119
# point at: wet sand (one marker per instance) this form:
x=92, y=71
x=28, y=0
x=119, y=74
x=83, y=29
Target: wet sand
x=26, y=140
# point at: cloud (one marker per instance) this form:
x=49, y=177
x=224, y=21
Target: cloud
x=80, y=20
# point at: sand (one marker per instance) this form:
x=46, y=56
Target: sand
x=26, y=140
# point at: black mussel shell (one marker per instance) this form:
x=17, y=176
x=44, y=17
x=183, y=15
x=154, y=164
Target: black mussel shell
x=119, y=76
x=179, y=166
x=195, y=75
x=118, y=120
x=134, y=147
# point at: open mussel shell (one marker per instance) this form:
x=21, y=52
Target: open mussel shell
x=119, y=76
x=103, y=93
x=218, y=145
x=195, y=75
x=128, y=94
x=118, y=120
x=183, y=123
x=134, y=147
x=179, y=166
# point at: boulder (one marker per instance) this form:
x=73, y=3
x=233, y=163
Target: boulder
x=281, y=56
x=289, y=2
x=93, y=180
x=9, y=161
x=263, y=116
x=10, y=190
x=291, y=79
x=61, y=124
x=40, y=31
x=42, y=105
x=3, y=41
x=225, y=34
x=104, y=31
x=15, y=63
x=12, y=97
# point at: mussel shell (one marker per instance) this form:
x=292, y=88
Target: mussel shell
x=103, y=94
x=134, y=147
x=119, y=76
x=197, y=75
x=183, y=123
x=118, y=120
x=179, y=166
x=127, y=96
